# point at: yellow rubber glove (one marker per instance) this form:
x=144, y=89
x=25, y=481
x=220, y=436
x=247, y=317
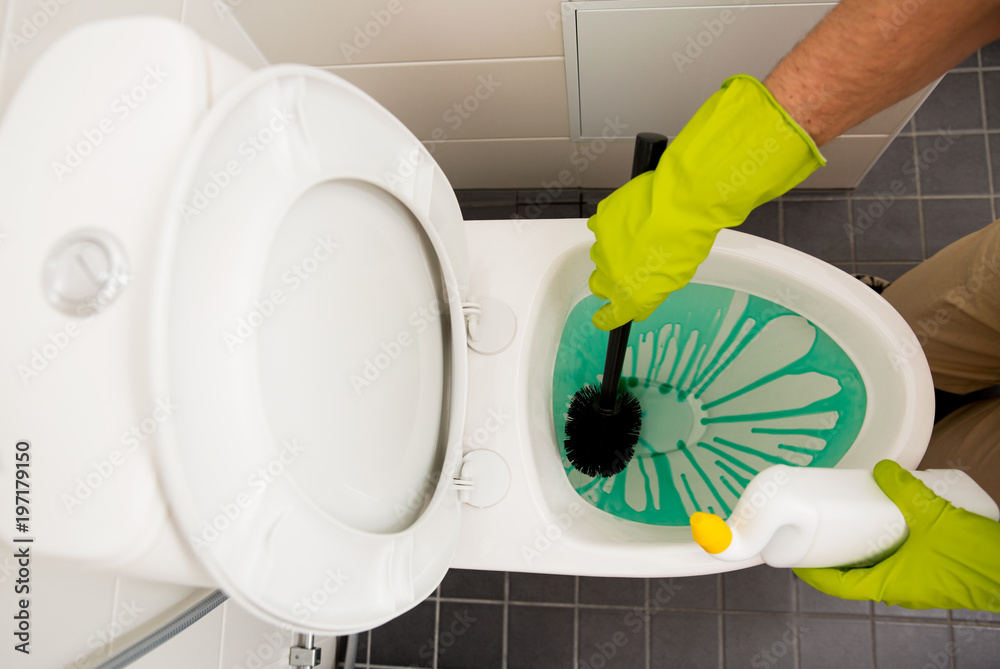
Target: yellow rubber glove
x=738, y=151
x=951, y=560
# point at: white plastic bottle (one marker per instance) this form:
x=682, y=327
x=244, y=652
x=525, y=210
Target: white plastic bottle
x=815, y=517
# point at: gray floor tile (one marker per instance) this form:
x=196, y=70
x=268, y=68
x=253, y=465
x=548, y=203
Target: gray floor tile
x=693, y=592
x=885, y=270
x=556, y=210
x=408, y=640
x=762, y=222
x=952, y=165
x=884, y=610
x=539, y=636
x=760, y=641
x=907, y=645
x=954, y=104
x=685, y=639
x=542, y=588
x=828, y=643
x=887, y=230
x=820, y=228
x=473, y=584
x=619, y=591
x=470, y=636
x=976, y=647
x=947, y=220
x=893, y=173
x=812, y=600
x=612, y=639
x=760, y=588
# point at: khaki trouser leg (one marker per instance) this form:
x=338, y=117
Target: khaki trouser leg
x=952, y=303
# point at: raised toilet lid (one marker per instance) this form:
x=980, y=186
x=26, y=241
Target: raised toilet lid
x=302, y=327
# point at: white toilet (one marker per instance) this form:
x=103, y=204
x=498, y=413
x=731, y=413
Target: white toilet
x=252, y=344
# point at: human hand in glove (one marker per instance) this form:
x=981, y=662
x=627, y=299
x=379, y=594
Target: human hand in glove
x=950, y=560
x=740, y=150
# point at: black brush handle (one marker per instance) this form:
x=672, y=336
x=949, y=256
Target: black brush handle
x=649, y=146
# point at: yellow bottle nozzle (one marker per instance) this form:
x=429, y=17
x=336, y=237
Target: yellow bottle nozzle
x=711, y=532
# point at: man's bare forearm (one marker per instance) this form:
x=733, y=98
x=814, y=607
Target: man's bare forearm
x=869, y=54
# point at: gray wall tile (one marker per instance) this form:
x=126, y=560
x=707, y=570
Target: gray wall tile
x=542, y=588
x=685, y=639
x=955, y=104
x=906, y=645
x=473, y=584
x=886, y=230
x=820, y=228
x=760, y=588
x=947, y=220
x=612, y=639
x=539, y=636
x=830, y=643
x=623, y=591
x=470, y=636
x=760, y=640
x=952, y=165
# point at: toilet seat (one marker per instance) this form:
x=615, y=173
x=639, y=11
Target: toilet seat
x=252, y=462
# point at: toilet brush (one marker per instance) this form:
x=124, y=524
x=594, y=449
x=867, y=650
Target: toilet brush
x=602, y=425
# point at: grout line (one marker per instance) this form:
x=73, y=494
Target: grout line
x=437, y=623
x=720, y=602
x=505, y=629
x=850, y=241
x=576, y=621
x=781, y=220
x=920, y=200
x=649, y=628
x=986, y=138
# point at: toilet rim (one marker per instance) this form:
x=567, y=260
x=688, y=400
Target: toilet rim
x=437, y=524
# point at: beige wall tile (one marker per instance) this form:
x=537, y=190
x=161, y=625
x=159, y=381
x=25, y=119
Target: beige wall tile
x=505, y=98
x=333, y=33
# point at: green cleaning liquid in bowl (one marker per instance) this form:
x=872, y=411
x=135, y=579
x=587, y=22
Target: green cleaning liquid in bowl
x=730, y=384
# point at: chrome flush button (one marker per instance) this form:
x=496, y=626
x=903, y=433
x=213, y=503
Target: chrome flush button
x=85, y=272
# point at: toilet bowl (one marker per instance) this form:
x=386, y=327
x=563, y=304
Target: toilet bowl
x=256, y=347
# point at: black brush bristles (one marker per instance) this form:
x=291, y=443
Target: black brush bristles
x=600, y=444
